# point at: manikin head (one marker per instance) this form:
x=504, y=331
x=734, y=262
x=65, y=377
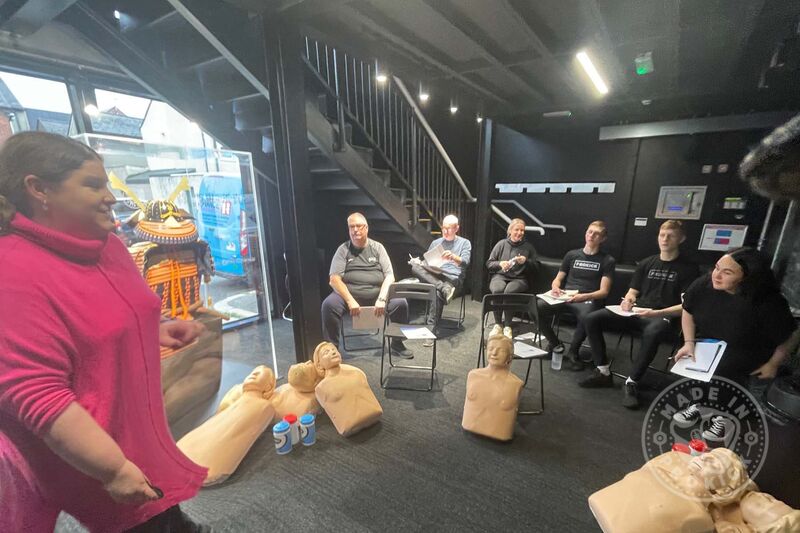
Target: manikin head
x=450, y=227
x=670, y=236
x=760, y=509
x=516, y=230
x=303, y=376
x=261, y=380
x=359, y=229
x=326, y=356
x=57, y=182
x=499, y=351
x=596, y=234
x=723, y=475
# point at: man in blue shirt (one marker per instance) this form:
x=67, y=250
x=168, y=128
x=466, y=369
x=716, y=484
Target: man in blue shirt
x=450, y=277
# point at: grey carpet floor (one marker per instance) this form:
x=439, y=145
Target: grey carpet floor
x=417, y=470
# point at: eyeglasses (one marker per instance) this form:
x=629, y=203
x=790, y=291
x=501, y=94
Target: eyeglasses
x=357, y=226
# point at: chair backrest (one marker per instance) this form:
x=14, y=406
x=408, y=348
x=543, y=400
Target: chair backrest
x=412, y=291
x=512, y=302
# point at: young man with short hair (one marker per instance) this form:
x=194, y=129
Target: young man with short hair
x=656, y=286
x=589, y=271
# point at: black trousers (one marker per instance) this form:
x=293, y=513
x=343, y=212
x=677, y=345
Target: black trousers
x=334, y=307
x=654, y=331
x=500, y=284
x=173, y=520
x=579, y=310
x=441, y=282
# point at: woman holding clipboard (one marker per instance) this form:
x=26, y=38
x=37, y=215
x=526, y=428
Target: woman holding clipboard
x=740, y=303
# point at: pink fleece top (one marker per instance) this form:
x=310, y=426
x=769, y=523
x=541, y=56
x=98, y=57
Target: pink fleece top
x=78, y=323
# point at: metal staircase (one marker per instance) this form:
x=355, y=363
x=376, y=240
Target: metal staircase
x=370, y=149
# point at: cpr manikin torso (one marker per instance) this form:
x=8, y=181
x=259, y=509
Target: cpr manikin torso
x=672, y=492
x=344, y=392
x=223, y=440
x=297, y=397
x=490, y=408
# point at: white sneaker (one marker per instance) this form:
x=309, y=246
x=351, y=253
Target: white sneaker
x=496, y=330
x=507, y=332
x=449, y=291
x=688, y=417
x=720, y=428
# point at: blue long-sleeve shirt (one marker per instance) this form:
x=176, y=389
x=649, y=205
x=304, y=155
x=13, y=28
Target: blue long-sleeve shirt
x=459, y=246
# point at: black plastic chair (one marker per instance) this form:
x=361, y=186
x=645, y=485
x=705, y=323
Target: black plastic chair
x=356, y=335
x=524, y=304
x=677, y=340
x=410, y=291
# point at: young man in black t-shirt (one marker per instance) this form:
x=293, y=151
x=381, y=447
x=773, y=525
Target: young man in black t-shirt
x=590, y=272
x=656, y=288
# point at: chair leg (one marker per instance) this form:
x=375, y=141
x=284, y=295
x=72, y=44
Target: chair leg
x=541, y=392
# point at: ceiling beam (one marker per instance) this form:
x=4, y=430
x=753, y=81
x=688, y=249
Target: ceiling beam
x=470, y=32
x=33, y=14
x=537, y=44
x=377, y=23
x=298, y=10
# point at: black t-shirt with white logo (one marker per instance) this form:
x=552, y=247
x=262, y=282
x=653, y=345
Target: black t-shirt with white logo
x=584, y=272
x=660, y=283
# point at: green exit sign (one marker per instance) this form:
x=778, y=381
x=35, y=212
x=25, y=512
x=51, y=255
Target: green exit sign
x=644, y=63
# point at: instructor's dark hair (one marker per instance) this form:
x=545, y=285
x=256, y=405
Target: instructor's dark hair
x=47, y=156
x=773, y=167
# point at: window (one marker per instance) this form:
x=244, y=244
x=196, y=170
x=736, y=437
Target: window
x=30, y=103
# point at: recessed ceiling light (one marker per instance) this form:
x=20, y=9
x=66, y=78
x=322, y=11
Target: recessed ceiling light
x=381, y=78
x=479, y=119
x=590, y=69
x=453, y=109
x=647, y=101
x=423, y=97
x=117, y=14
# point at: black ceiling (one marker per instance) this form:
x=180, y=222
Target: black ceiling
x=516, y=58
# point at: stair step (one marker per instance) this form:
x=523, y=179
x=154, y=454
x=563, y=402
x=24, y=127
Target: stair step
x=385, y=176
x=335, y=182
x=384, y=226
x=252, y=114
x=400, y=193
x=355, y=198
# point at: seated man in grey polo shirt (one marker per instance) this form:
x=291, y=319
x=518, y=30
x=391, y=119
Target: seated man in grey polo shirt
x=450, y=279
x=361, y=274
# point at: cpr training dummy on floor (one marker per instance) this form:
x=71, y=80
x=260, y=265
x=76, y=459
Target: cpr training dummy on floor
x=223, y=440
x=678, y=492
x=490, y=408
x=344, y=392
x=297, y=397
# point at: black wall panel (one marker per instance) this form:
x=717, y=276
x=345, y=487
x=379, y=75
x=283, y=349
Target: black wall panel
x=639, y=167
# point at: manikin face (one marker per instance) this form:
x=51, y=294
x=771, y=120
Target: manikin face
x=498, y=354
x=329, y=357
x=359, y=230
x=261, y=379
x=449, y=231
x=727, y=275
x=669, y=240
x=715, y=471
x=517, y=232
x=303, y=376
x=594, y=237
x=761, y=509
x=81, y=204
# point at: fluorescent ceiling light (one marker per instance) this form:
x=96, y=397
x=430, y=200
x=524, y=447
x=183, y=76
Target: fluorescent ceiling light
x=117, y=14
x=91, y=110
x=558, y=114
x=588, y=66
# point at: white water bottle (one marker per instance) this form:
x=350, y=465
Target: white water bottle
x=555, y=362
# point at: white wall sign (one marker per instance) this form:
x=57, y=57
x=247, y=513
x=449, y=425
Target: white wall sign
x=722, y=237
x=589, y=188
x=640, y=221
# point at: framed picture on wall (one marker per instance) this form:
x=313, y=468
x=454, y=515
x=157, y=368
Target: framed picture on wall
x=722, y=237
x=681, y=202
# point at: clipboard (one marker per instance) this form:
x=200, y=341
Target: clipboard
x=707, y=353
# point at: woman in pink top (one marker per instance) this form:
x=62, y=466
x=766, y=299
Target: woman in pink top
x=82, y=423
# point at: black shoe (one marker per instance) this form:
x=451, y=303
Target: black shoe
x=720, y=429
x=399, y=350
x=555, y=348
x=573, y=364
x=597, y=380
x=630, y=395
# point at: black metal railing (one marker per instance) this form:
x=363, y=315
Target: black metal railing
x=385, y=116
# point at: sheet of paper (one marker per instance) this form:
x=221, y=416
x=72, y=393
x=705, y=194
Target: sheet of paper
x=555, y=300
x=526, y=351
x=434, y=257
x=366, y=319
x=617, y=309
x=707, y=355
x=417, y=332
x=530, y=336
